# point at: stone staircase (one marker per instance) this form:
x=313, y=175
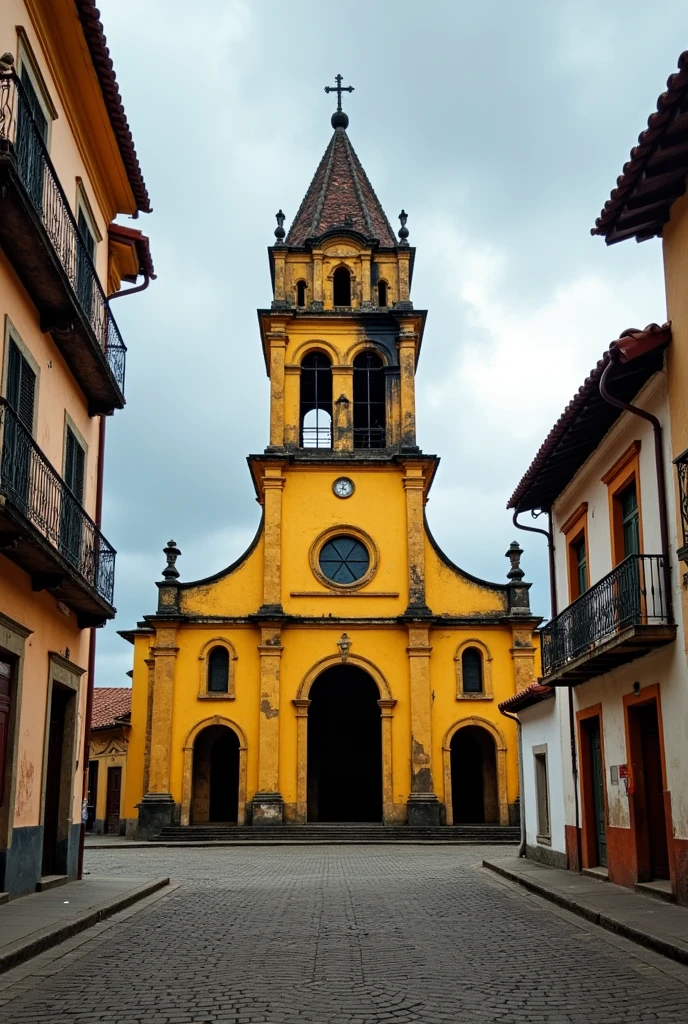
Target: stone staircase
x=339, y=834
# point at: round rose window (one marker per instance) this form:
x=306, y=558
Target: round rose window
x=344, y=560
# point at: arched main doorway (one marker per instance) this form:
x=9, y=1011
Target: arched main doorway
x=474, y=784
x=344, y=747
x=215, y=785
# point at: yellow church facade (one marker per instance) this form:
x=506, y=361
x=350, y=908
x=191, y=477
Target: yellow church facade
x=343, y=669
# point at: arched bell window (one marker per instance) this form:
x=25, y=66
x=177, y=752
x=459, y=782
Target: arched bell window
x=472, y=670
x=218, y=670
x=369, y=401
x=301, y=293
x=341, y=287
x=316, y=401
x=382, y=293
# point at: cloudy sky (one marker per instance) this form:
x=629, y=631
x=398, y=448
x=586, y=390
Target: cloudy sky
x=500, y=127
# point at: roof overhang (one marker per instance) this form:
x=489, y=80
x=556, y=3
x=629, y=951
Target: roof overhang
x=536, y=693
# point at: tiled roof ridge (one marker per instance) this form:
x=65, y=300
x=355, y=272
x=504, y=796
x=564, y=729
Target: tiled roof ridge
x=590, y=385
x=357, y=184
x=657, y=124
x=92, y=27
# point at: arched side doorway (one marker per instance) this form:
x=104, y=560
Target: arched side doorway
x=214, y=774
x=474, y=754
x=344, y=743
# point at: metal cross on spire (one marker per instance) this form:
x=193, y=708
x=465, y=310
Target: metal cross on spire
x=339, y=118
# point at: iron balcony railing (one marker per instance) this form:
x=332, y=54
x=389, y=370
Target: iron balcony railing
x=18, y=126
x=32, y=486
x=681, y=463
x=632, y=594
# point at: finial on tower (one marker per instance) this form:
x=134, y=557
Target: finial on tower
x=172, y=553
x=339, y=118
x=279, y=230
x=403, y=231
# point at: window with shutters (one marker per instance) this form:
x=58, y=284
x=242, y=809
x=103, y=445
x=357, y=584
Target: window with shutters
x=21, y=385
x=473, y=671
x=85, y=260
x=71, y=513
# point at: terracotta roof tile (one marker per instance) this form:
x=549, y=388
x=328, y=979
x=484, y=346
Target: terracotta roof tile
x=141, y=243
x=533, y=694
x=340, y=196
x=586, y=420
x=89, y=16
x=656, y=173
x=111, y=705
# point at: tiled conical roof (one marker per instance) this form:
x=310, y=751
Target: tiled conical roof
x=340, y=196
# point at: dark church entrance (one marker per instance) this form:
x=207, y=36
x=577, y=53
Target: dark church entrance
x=344, y=747
x=215, y=776
x=474, y=776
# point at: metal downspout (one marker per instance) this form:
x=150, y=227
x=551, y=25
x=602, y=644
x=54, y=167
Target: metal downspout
x=614, y=356
x=521, y=788
x=91, y=655
x=131, y=291
x=572, y=733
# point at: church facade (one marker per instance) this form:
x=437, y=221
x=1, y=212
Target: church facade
x=343, y=669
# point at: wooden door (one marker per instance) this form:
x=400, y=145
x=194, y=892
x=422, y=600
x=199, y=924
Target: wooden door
x=597, y=780
x=53, y=781
x=114, y=795
x=654, y=791
x=92, y=794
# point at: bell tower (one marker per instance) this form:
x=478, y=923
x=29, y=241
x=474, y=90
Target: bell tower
x=340, y=271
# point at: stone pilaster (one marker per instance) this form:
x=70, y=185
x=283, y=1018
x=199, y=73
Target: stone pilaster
x=157, y=809
x=268, y=805
x=414, y=485
x=302, y=705
x=386, y=706
x=317, y=303
x=343, y=392
x=273, y=484
x=278, y=345
x=407, y=369
x=292, y=425
x=423, y=805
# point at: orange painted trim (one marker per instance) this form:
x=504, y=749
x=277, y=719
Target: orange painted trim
x=588, y=844
x=625, y=471
x=575, y=528
x=648, y=695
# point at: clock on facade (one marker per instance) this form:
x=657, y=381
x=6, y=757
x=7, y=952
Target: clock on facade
x=343, y=487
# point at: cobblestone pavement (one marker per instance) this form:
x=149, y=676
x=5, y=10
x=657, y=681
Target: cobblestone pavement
x=339, y=935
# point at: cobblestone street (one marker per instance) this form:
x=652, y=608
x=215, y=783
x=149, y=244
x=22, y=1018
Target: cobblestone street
x=337, y=935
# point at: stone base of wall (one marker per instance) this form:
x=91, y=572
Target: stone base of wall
x=546, y=855
x=20, y=864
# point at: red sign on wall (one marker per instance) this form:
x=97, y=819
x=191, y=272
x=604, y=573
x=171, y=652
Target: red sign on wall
x=623, y=771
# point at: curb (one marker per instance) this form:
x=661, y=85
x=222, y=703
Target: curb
x=19, y=952
x=604, y=920
x=191, y=844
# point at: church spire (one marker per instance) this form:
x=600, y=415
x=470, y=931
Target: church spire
x=340, y=194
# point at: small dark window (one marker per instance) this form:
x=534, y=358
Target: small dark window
x=382, y=293
x=369, y=401
x=341, y=281
x=218, y=670
x=344, y=560
x=300, y=293
x=21, y=386
x=472, y=670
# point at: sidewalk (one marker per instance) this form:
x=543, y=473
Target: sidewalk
x=642, y=919
x=33, y=923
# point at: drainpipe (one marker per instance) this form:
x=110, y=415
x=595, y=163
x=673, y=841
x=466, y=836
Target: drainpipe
x=131, y=291
x=521, y=787
x=91, y=655
x=615, y=355
x=553, y=601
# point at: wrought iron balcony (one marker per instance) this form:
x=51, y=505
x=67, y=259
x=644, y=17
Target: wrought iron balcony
x=681, y=463
x=46, y=531
x=40, y=237
x=620, y=618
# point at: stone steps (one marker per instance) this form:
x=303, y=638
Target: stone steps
x=340, y=833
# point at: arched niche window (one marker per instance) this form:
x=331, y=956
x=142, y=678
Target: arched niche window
x=382, y=293
x=218, y=670
x=316, y=401
x=369, y=401
x=217, y=660
x=473, y=675
x=301, y=293
x=341, y=287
